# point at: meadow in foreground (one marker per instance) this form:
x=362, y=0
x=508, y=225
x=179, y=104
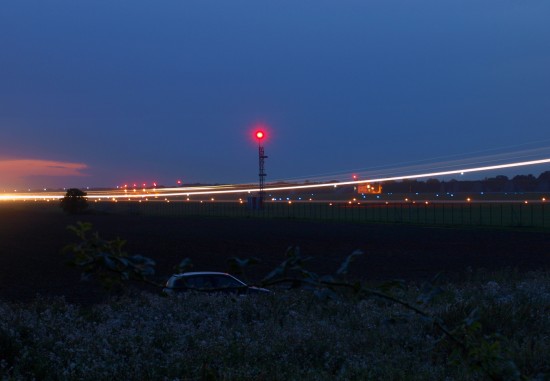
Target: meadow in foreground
x=503, y=318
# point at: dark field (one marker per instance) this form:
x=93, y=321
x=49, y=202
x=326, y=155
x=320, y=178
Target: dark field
x=32, y=237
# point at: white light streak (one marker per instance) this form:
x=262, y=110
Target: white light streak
x=247, y=188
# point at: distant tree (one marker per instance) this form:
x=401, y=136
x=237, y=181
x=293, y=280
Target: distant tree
x=496, y=184
x=525, y=183
x=433, y=185
x=409, y=185
x=75, y=201
x=543, y=182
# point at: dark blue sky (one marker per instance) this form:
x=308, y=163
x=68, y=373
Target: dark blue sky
x=136, y=91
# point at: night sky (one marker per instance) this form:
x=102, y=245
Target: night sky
x=103, y=93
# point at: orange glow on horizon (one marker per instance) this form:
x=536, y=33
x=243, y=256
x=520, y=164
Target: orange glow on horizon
x=15, y=171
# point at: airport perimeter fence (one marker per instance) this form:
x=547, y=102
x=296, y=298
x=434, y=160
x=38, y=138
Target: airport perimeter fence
x=498, y=214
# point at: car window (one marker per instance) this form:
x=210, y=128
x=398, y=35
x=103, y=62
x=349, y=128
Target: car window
x=179, y=283
x=201, y=281
x=207, y=281
x=227, y=281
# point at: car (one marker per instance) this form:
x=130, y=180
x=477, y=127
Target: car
x=210, y=282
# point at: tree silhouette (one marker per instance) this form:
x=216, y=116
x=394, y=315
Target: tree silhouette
x=75, y=201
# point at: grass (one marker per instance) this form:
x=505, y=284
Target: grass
x=289, y=335
x=499, y=214
x=508, y=212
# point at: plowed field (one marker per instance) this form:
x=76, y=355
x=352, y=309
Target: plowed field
x=31, y=240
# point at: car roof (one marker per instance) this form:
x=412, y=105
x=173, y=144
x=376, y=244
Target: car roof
x=193, y=273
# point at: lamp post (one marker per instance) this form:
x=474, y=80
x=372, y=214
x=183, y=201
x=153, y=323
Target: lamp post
x=260, y=135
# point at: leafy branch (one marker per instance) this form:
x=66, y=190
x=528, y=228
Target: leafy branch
x=483, y=354
x=106, y=259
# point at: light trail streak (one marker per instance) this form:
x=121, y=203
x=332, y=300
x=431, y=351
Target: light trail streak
x=246, y=188
x=375, y=180
x=427, y=165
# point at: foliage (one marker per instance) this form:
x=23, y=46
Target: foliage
x=239, y=266
x=75, y=201
x=106, y=259
x=460, y=341
x=519, y=183
x=287, y=335
x=482, y=353
x=184, y=266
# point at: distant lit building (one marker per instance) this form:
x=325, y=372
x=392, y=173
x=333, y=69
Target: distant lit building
x=369, y=188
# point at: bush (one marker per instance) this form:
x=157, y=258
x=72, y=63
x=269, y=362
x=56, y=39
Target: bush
x=75, y=201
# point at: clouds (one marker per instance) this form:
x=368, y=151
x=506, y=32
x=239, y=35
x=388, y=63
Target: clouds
x=14, y=172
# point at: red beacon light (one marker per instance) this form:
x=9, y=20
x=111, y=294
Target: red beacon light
x=260, y=135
